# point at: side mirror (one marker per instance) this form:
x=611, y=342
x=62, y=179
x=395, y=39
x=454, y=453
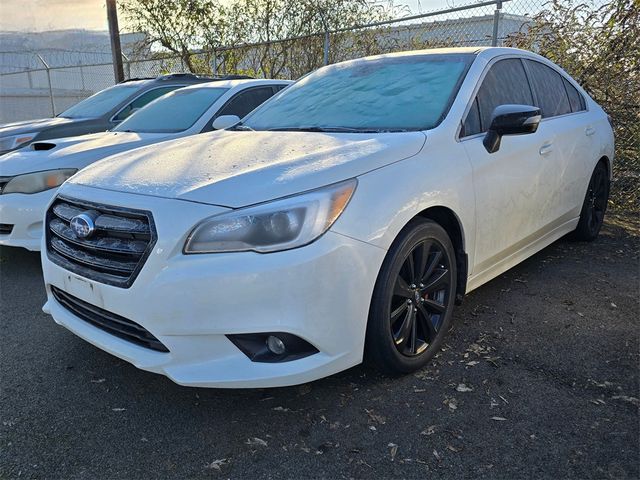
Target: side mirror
x=511, y=120
x=225, y=121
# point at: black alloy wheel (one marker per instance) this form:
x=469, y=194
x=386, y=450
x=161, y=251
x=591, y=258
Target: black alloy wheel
x=420, y=298
x=413, y=299
x=595, y=205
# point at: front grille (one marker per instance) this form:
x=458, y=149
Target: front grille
x=6, y=228
x=107, y=321
x=114, y=254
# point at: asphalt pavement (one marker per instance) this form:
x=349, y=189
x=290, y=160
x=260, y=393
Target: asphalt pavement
x=539, y=378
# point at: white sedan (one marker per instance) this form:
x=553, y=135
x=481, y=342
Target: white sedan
x=29, y=177
x=341, y=220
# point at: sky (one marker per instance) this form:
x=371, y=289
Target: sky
x=42, y=15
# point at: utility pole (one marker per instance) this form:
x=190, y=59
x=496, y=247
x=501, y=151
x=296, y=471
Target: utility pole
x=114, y=33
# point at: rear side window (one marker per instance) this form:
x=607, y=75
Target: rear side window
x=142, y=100
x=576, y=100
x=246, y=101
x=505, y=83
x=549, y=87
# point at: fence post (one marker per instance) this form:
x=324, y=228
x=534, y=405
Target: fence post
x=128, y=64
x=496, y=23
x=214, y=62
x=53, y=105
x=326, y=47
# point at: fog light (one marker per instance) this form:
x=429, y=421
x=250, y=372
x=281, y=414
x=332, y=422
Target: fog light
x=272, y=347
x=275, y=345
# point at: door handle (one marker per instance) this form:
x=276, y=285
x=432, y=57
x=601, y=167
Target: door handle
x=546, y=149
x=589, y=131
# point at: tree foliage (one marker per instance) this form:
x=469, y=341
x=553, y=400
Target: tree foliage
x=207, y=27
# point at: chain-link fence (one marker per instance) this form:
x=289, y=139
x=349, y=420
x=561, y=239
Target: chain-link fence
x=44, y=90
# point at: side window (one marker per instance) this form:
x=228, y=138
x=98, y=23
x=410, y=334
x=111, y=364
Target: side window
x=505, y=83
x=549, y=88
x=576, y=100
x=142, y=100
x=246, y=101
x=471, y=125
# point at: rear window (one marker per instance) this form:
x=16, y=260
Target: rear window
x=550, y=91
x=576, y=100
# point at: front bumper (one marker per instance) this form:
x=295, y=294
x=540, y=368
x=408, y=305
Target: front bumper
x=320, y=293
x=25, y=213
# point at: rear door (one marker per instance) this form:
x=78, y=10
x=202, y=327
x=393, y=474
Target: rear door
x=565, y=114
x=514, y=186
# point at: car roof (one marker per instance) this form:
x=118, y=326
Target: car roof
x=480, y=51
x=237, y=83
x=179, y=78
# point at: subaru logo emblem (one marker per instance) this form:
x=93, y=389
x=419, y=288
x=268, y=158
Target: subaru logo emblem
x=83, y=225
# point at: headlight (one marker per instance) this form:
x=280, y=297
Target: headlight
x=14, y=141
x=38, y=181
x=273, y=226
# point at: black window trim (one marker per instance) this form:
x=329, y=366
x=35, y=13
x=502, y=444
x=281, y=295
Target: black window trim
x=494, y=60
x=562, y=77
x=131, y=100
x=476, y=88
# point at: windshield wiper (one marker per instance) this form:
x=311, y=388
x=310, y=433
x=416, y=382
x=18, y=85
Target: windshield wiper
x=242, y=128
x=313, y=128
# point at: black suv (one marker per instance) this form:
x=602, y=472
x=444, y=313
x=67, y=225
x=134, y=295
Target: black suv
x=99, y=112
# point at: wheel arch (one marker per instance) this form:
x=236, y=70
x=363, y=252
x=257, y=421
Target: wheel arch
x=607, y=163
x=447, y=219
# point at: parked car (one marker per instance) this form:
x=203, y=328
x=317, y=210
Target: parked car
x=340, y=220
x=99, y=112
x=30, y=176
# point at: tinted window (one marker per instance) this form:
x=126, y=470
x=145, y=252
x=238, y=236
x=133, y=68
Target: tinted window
x=410, y=92
x=505, y=83
x=472, y=123
x=100, y=103
x=549, y=88
x=142, y=100
x=246, y=101
x=174, y=112
x=575, y=99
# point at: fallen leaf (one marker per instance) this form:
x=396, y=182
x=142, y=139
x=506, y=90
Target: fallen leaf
x=216, y=464
x=394, y=451
x=437, y=455
x=256, y=441
x=118, y=409
x=430, y=430
x=499, y=419
x=464, y=388
x=375, y=417
x=626, y=398
x=99, y=380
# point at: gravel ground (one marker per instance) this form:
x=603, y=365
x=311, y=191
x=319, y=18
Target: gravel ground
x=539, y=379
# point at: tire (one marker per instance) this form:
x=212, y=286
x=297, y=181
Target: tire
x=594, y=205
x=408, y=321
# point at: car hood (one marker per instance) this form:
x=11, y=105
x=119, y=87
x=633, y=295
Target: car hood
x=239, y=168
x=28, y=126
x=72, y=152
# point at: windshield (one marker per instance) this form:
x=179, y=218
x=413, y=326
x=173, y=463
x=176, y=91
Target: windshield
x=100, y=103
x=395, y=93
x=174, y=112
